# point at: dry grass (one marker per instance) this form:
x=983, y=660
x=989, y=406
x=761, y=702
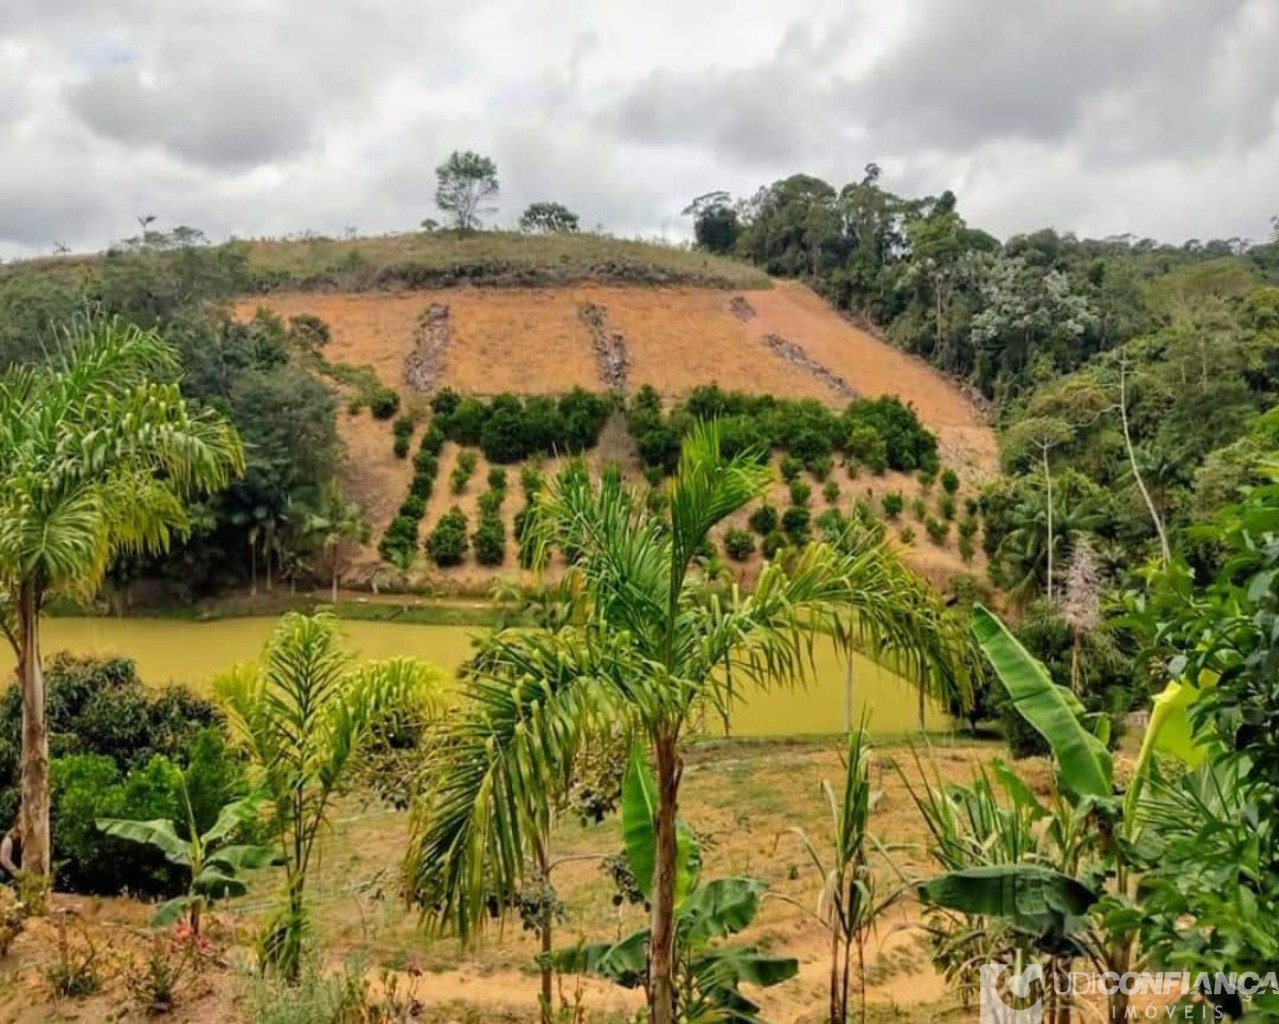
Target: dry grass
x=420, y=260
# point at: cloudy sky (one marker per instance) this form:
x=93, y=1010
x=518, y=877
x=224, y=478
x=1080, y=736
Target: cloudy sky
x=266, y=117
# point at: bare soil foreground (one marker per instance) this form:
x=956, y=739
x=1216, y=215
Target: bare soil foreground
x=746, y=799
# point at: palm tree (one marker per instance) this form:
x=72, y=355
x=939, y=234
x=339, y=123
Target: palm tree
x=653, y=646
x=303, y=713
x=340, y=523
x=98, y=452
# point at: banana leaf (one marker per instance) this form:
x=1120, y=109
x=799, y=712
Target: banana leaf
x=159, y=833
x=1031, y=897
x=1052, y=710
x=639, y=833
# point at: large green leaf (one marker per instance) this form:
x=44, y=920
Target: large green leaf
x=231, y=817
x=623, y=963
x=160, y=834
x=216, y=884
x=1085, y=764
x=639, y=833
x=169, y=912
x=244, y=858
x=721, y=907
x=1032, y=897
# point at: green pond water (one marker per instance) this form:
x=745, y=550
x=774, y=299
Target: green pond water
x=193, y=653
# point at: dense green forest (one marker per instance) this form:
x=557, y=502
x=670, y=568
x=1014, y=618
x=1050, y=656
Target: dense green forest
x=1114, y=366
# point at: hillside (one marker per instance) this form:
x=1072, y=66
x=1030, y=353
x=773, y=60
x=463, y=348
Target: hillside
x=782, y=341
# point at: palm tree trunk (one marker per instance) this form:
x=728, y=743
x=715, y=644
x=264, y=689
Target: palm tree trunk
x=661, y=993
x=34, y=818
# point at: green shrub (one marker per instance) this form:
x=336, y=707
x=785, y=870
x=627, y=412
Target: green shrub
x=739, y=545
x=426, y=462
x=937, y=530
x=490, y=502
x=497, y=479
x=384, y=403
x=967, y=528
x=949, y=480
x=864, y=445
x=791, y=468
x=971, y=506
x=927, y=476
x=421, y=485
x=531, y=481
x=820, y=466
x=946, y=506
x=907, y=535
x=489, y=539
x=403, y=427
x=412, y=508
x=795, y=522
x=919, y=508
x=800, y=492
x=893, y=503
x=831, y=524
x=966, y=549
x=463, y=471
x=447, y=543
x=432, y=442
x=830, y=491
x=853, y=467
x=773, y=543
x=764, y=520
x=400, y=446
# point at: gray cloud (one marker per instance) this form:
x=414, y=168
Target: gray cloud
x=249, y=118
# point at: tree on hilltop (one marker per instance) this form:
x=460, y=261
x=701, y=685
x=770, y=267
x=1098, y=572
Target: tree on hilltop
x=467, y=187
x=548, y=218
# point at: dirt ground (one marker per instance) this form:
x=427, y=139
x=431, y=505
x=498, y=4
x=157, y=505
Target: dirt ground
x=744, y=798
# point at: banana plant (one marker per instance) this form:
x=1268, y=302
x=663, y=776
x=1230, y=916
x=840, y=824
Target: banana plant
x=1065, y=908
x=213, y=859
x=710, y=975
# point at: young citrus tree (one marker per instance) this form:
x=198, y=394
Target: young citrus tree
x=655, y=645
x=98, y=455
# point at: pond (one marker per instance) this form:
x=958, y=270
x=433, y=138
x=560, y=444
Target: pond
x=193, y=653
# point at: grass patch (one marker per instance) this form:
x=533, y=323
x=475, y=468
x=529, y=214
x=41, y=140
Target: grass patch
x=492, y=258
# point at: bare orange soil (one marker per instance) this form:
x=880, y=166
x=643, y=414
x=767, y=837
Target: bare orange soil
x=532, y=341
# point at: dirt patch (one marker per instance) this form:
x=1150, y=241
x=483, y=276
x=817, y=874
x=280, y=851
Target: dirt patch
x=795, y=355
x=740, y=308
x=610, y=347
x=424, y=366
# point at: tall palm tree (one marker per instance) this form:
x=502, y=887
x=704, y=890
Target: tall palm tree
x=653, y=646
x=339, y=523
x=304, y=713
x=98, y=452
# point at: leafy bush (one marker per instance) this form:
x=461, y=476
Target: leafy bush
x=946, y=506
x=432, y=442
x=532, y=481
x=927, y=476
x=739, y=545
x=497, y=479
x=967, y=528
x=773, y=543
x=830, y=491
x=907, y=535
x=510, y=429
x=893, y=503
x=400, y=446
x=919, y=509
x=413, y=508
x=866, y=446
x=800, y=492
x=764, y=520
x=403, y=427
x=462, y=472
x=791, y=468
x=384, y=403
x=949, y=480
x=86, y=787
x=820, y=466
x=966, y=549
x=426, y=463
x=489, y=539
x=447, y=543
x=795, y=522
x=937, y=530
